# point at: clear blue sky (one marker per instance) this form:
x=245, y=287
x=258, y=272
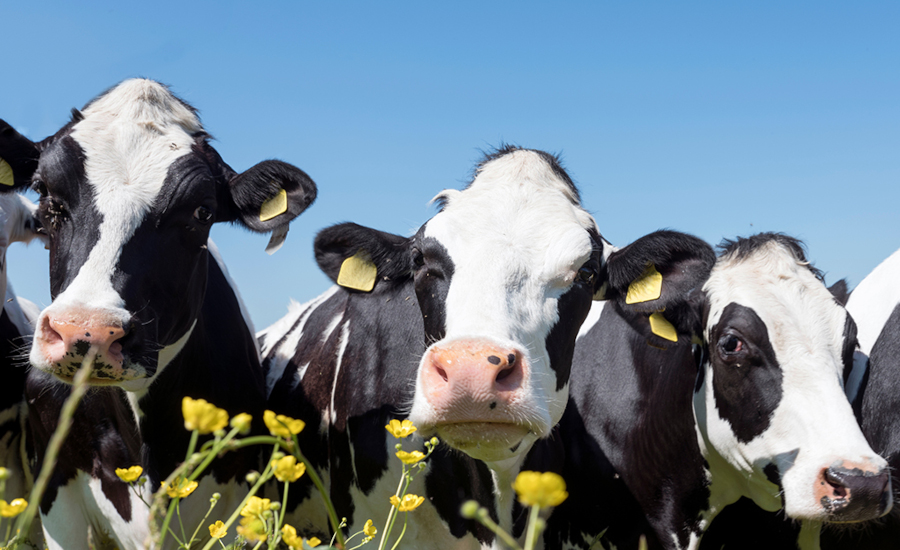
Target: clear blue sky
x=714, y=118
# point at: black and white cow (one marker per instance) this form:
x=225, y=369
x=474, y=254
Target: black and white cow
x=17, y=316
x=468, y=331
x=130, y=188
x=872, y=387
x=658, y=439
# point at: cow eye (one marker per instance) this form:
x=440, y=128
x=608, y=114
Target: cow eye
x=418, y=258
x=586, y=275
x=40, y=187
x=203, y=215
x=731, y=344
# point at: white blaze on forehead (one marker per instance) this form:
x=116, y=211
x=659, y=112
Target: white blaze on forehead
x=813, y=425
x=516, y=237
x=130, y=138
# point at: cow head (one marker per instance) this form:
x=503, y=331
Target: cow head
x=769, y=404
x=504, y=275
x=18, y=224
x=129, y=190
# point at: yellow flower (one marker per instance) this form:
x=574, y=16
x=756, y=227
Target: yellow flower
x=287, y=470
x=369, y=529
x=14, y=508
x=540, y=489
x=289, y=536
x=400, y=429
x=202, y=416
x=253, y=529
x=411, y=457
x=180, y=487
x=217, y=530
x=255, y=507
x=129, y=475
x=242, y=422
x=313, y=542
x=282, y=426
x=408, y=503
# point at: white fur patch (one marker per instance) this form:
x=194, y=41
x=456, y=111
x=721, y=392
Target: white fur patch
x=874, y=299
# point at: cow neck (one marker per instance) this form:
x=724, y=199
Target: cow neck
x=219, y=363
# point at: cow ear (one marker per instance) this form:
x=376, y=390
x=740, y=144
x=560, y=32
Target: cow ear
x=269, y=195
x=18, y=158
x=661, y=275
x=359, y=258
x=840, y=292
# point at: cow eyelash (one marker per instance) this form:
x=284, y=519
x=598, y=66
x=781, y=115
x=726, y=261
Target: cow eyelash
x=418, y=258
x=39, y=187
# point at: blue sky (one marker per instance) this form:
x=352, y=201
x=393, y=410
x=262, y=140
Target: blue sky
x=716, y=119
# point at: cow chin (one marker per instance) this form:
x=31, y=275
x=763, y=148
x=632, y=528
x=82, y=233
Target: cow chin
x=487, y=441
x=131, y=377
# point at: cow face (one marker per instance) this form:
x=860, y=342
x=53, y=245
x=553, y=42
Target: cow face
x=769, y=404
x=504, y=275
x=129, y=190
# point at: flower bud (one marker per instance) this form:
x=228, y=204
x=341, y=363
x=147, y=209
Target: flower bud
x=277, y=455
x=434, y=441
x=469, y=509
x=398, y=446
x=217, y=496
x=275, y=506
x=252, y=477
x=4, y=473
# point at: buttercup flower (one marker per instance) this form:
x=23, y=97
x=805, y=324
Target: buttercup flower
x=129, y=475
x=369, y=529
x=400, y=429
x=408, y=503
x=14, y=508
x=253, y=529
x=313, y=542
x=217, y=530
x=287, y=470
x=203, y=416
x=180, y=487
x=411, y=457
x=282, y=426
x=289, y=536
x=242, y=422
x=255, y=507
x=540, y=489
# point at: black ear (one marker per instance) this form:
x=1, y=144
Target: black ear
x=840, y=292
x=18, y=158
x=663, y=272
x=269, y=195
x=388, y=253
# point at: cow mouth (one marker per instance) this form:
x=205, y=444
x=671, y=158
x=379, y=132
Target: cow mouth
x=484, y=440
x=101, y=375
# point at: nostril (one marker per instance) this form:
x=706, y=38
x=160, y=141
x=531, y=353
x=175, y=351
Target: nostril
x=836, y=481
x=441, y=372
x=494, y=360
x=511, y=359
x=504, y=373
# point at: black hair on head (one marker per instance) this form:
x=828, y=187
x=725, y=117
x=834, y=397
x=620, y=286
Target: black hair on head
x=554, y=161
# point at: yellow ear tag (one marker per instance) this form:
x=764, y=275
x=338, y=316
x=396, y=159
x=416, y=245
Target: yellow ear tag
x=275, y=206
x=661, y=327
x=358, y=272
x=6, y=174
x=646, y=287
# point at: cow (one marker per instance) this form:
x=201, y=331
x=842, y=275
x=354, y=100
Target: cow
x=17, y=315
x=130, y=188
x=871, y=387
x=467, y=329
x=733, y=390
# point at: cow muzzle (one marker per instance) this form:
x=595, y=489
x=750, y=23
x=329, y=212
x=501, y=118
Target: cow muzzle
x=851, y=492
x=476, y=389
x=63, y=343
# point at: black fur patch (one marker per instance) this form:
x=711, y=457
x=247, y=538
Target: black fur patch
x=747, y=385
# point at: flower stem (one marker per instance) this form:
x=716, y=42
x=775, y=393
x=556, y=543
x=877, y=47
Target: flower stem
x=64, y=424
x=317, y=481
x=402, y=532
x=531, y=537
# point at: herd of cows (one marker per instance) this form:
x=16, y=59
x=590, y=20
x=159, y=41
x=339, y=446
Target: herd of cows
x=668, y=385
